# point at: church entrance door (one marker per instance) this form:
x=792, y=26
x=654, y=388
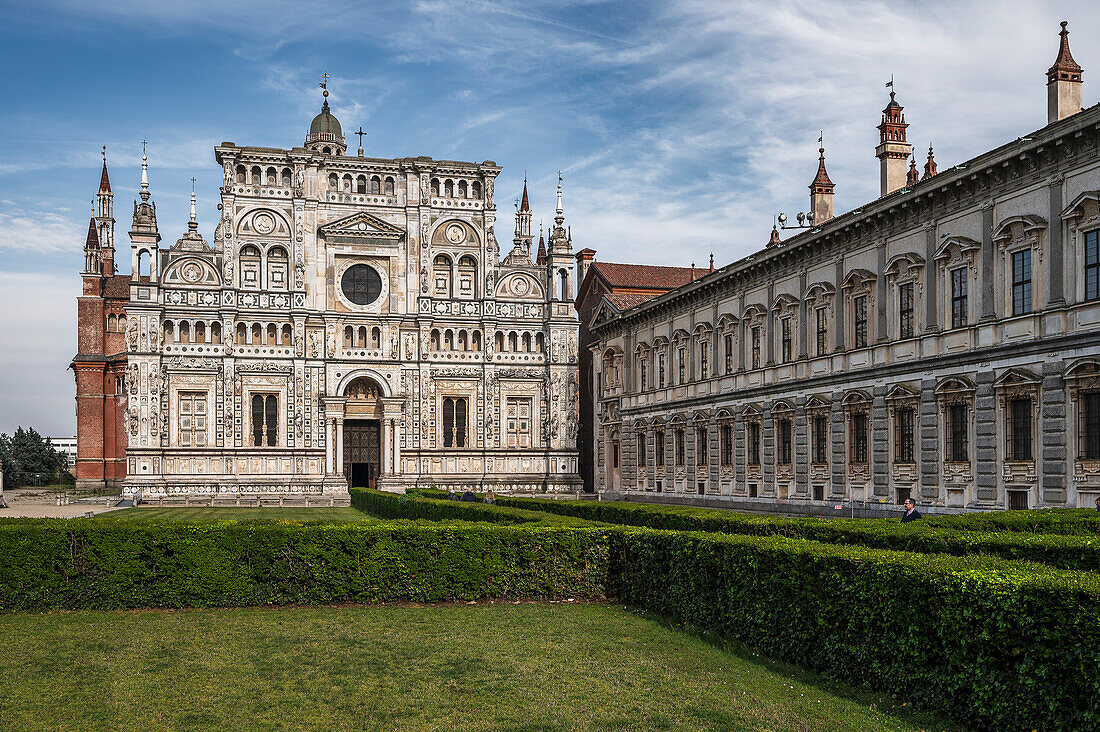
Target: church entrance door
x=363, y=452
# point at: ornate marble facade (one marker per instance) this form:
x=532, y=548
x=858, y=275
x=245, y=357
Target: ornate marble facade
x=352, y=321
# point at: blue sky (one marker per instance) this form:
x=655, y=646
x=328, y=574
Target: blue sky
x=681, y=127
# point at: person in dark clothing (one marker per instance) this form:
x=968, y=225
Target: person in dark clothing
x=911, y=512
x=468, y=496
x=451, y=495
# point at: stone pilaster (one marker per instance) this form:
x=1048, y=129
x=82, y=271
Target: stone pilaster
x=801, y=447
x=930, y=441
x=880, y=443
x=839, y=445
x=1054, y=427
x=985, y=437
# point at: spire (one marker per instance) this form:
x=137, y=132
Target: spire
x=524, y=205
x=559, y=217
x=93, y=236
x=541, y=257
x=930, y=166
x=104, y=181
x=774, y=239
x=193, y=224
x=1064, y=68
x=821, y=182
x=913, y=175
x=144, y=174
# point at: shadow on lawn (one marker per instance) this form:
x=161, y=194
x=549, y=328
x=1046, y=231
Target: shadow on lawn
x=884, y=703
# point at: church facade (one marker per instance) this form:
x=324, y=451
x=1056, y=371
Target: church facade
x=941, y=342
x=352, y=322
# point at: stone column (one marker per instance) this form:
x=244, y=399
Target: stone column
x=985, y=436
x=989, y=310
x=339, y=446
x=880, y=443
x=1054, y=426
x=929, y=441
x=1057, y=258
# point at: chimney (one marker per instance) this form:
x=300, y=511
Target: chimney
x=1063, y=82
x=584, y=259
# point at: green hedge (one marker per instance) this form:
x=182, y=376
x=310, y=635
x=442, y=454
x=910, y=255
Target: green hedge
x=415, y=505
x=52, y=563
x=1068, y=521
x=1064, y=552
x=996, y=644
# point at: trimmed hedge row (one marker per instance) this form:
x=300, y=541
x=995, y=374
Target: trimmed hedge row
x=1064, y=552
x=1068, y=521
x=995, y=644
x=54, y=563
x=419, y=506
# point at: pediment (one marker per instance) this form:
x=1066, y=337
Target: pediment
x=605, y=311
x=195, y=271
x=361, y=226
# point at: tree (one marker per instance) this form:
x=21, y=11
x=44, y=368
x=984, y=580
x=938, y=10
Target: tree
x=26, y=454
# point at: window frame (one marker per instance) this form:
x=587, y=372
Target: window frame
x=1022, y=273
x=458, y=439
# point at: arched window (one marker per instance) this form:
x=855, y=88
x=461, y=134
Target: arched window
x=265, y=420
x=349, y=336
x=513, y=342
x=375, y=184
x=286, y=177
x=272, y=338
x=467, y=276
x=441, y=267
x=475, y=189
x=462, y=189
x=449, y=188
x=250, y=267
x=448, y=340
x=539, y=342
x=288, y=335
x=526, y=342
x=216, y=333
x=463, y=342
x=257, y=335
x=388, y=188
x=257, y=176
x=242, y=174
x=434, y=340
x=278, y=268
x=144, y=259
x=361, y=340
x=272, y=177
x=242, y=334
x=434, y=186
x=347, y=182
x=563, y=281
x=333, y=182
x=169, y=332
x=200, y=332
x=376, y=337
x=498, y=341
x=111, y=320
x=476, y=340
x=326, y=150
x=185, y=332
x=361, y=184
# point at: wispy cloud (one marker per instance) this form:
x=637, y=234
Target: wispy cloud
x=37, y=231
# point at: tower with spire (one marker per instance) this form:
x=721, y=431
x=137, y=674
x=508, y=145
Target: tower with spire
x=105, y=220
x=522, y=239
x=930, y=165
x=559, y=256
x=1063, y=82
x=892, y=150
x=144, y=235
x=821, y=191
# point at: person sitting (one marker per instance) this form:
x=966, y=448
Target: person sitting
x=489, y=497
x=468, y=496
x=451, y=495
x=911, y=512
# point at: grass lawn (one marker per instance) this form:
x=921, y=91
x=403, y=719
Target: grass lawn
x=343, y=514
x=451, y=667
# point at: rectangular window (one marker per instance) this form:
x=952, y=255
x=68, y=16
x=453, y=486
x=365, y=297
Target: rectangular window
x=702, y=448
x=1090, y=426
x=681, y=365
x=822, y=315
x=641, y=375
x=191, y=419
x=756, y=347
x=727, y=444
x=518, y=421
x=703, y=361
x=958, y=297
x=615, y=454
x=1021, y=282
x=265, y=420
x=1092, y=265
x=454, y=421
x=754, y=443
x=1018, y=428
x=661, y=371
x=905, y=310
x=958, y=434
x=904, y=440
x=858, y=438
x=784, y=427
x=787, y=346
x=729, y=354
x=859, y=305
x=821, y=439
x=679, y=436
x=641, y=450
x=659, y=448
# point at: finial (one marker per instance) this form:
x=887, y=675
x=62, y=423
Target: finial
x=104, y=154
x=559, y=208
x=194, y=223
x=712, y=261
x=144, y=172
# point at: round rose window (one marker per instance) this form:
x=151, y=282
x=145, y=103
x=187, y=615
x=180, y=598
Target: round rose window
x=361, y=284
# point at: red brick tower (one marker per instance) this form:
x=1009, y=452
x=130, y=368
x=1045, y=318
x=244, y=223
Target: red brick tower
x=100, y=362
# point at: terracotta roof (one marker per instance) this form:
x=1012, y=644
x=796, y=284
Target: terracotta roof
x=541, y=257
x=118, y=287
x=93, y=236
x=625, y=300
x=821, y=183
x=1064, y=67
x=646, y=276
x=524, y=205
x=104, y=181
